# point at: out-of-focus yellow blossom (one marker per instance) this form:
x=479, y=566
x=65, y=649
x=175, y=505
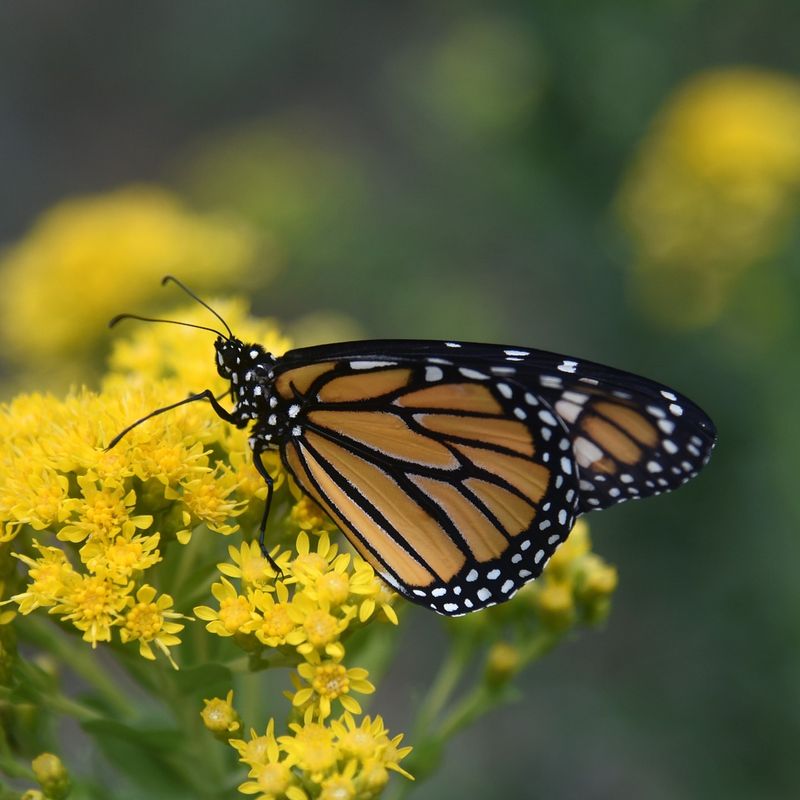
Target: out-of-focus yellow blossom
x=308, y=516
x=88, y=258
x=52, y=775
x=502, y=663
x=220, y=717
x=708, y=195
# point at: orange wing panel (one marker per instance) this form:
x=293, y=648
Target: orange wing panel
x=423, y=533
x=506, y=433
x=480, y=535
x=453, y=397
x=363, y=386
x=388, y=434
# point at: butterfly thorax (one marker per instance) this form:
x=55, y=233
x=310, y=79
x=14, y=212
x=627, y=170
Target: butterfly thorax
x=249, y=368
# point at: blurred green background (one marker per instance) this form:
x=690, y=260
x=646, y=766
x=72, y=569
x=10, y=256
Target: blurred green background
x=616, y=180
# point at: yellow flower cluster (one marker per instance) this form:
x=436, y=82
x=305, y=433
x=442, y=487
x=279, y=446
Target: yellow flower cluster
x=343, y=760
x=91, y=526
x=321, y=596
x=709, y=193
x=88, y=258
x=96, y=532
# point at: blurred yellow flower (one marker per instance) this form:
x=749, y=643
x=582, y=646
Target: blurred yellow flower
x=87, y=258
x=708, y=195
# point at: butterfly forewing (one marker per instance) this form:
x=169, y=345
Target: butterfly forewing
x=438, y=476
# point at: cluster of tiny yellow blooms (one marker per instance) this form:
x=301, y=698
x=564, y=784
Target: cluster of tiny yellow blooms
x=711, y=188
x=89, y=527
x=72, y=272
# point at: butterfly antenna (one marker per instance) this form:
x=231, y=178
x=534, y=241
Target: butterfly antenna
x=192, y=398
x=171, y=278
x=121, y=317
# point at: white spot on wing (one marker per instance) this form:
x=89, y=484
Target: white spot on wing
x=371, y=364
x=567, y=366
x=433, y=373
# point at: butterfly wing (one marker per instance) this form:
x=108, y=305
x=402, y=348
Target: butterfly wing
x=457, y=469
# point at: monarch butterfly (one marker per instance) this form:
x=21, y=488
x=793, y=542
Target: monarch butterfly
x=455, y=469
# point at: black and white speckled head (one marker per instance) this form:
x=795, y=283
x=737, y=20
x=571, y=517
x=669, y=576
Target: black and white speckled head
x=249, y=369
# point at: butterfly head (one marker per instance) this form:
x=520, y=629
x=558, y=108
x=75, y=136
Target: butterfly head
x=244, y=365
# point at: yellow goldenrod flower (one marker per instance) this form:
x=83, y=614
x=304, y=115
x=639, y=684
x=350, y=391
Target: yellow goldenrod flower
x=309, y=564
x=320, y=683
x=273, y=622
x=93, y=603
x=311, y=747
x=369, y=743
x=151, y=623
x=220, y=717
x=103, y=512
x=272, y=782
x=322, y=629
x=258, y=749
x=340, y=785
x=88, y=257
x=555, y=604
x=575, y=547
x=235, y=614
x=308, y=516
x=50, y=576
x=250, y=566
x=210, y=498
x=122, y=556
x=52, y=776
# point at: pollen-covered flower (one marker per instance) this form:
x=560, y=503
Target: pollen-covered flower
x=122, y=556
x=211, y=499
x=310, y=563
x=152, y=623
x=220, y=717
x=250, y=566
x=103, y=512
x=322, y=629
x=93, y=603
x=50, y=578
x=321, y=683
x=311, y=746
x=273, y=623
x=235, y=614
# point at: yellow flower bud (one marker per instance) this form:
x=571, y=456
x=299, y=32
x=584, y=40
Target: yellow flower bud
x=33, y=794
x=220, y=717
x=502, y=663
x=555, y=606
x=52, y=776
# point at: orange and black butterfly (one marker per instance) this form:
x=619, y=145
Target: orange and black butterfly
x=456, y=469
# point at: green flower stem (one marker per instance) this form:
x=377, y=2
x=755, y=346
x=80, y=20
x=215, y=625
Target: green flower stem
x=444, y=685
x=197, y=759
x=78, y=657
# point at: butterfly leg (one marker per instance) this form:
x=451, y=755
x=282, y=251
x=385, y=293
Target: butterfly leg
x=258, y=449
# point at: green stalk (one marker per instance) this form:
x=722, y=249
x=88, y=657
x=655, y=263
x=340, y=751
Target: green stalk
x=79, y=659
